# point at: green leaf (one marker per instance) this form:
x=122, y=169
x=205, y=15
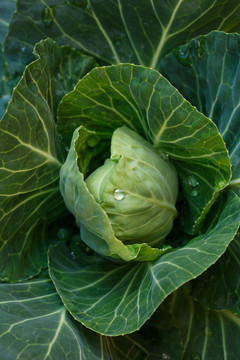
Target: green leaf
x=117, y=31
x=160, y=336
x=115, y=299
x=206, y=72
x=7, y=8
x=205, y=334
x=4, y=91
x=36, y=325
x=31, y=157
x=142, y=99
x=218, y=288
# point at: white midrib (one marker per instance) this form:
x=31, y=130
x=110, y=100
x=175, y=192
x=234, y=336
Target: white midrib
x=235, y=182
x=61, y=322
x=46, y=155
x=164, y=37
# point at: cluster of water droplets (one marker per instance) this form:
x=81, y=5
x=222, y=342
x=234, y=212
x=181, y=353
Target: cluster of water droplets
x=194, y=184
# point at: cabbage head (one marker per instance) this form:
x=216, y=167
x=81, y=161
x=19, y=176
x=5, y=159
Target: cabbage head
x=126, y=207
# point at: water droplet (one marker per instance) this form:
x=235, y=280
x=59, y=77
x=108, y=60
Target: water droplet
x=88, y=9
x=166, y=248
x=92, y=141
x=163, y=155
x=192, y=181
x=63, y=234
x=196, y=356
x=220, y=185
x=194, y=193
x=73, y=255
x=165, y=357
x=118, y=194
x=48, y=14
x=183, y=55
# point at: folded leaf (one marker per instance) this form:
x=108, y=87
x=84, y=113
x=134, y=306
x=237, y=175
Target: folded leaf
x=31, y=155
x=115, y=299
x=36, y=325
x=206, y=72
x=116, y=31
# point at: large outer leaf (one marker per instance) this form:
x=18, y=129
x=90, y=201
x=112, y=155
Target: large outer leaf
x=35, y=325
x=30, y=160
x=139, y=97
x=7, y=8
x=205, y=334
x=207, y=72
x=223, y=294
x=4, y=90
x=116, y=31
x=114, y=299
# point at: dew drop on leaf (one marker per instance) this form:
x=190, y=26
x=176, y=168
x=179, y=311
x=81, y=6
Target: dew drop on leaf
x=92, y=141
x=192, y=181
x=163, y=155
x=194, y=193
x=63, y=234
x=165, y=357
x=73, y=255
x=220, y=185
x=118, y=194
x=183, y=55
x=196, y=356
x=48, y=14
x=87, y=9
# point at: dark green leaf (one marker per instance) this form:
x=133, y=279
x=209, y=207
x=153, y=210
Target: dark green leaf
x=116, y=31
x=7, y=8
x=4, y=89
x=115, y=299
x=206, y=334
x=219, y=287
x=31, y=157
x=142, y=99
x=36, y=325
x=210, y=81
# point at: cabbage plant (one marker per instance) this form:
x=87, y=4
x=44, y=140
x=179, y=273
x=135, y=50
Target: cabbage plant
x=119, y=179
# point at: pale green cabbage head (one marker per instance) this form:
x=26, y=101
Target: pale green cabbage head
x=126, y=207
x=136, y=188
